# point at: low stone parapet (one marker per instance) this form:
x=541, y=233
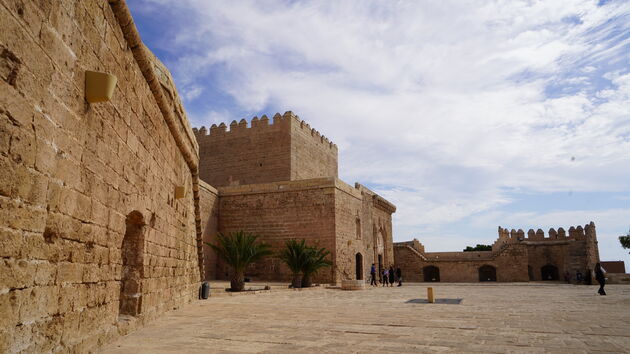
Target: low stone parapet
x=352, y=284
x=618, y=278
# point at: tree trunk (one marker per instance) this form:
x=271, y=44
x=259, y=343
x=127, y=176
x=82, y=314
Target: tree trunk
x=306, y=281
x=297, y=281
x=237, y=283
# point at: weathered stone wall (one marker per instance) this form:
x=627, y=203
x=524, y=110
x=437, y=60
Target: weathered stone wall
x=324, y=211
x=376, y=228
x=349, y=242
x=286, y=150
x=75, y=178
x=312, y=154
x=209, y=205
x=243, y=155
x=278, y=212
x=514, y=256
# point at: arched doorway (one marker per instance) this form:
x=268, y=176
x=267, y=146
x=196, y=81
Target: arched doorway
x=431, y=273
x=549, y=272
x=359, y=265
x=487, y=273
x=132, y=266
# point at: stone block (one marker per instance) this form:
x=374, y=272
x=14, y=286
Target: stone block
x=353, y=284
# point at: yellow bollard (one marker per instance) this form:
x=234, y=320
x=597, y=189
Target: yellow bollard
x=430, y=295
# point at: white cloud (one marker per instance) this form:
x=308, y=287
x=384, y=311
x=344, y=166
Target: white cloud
x=444, y=104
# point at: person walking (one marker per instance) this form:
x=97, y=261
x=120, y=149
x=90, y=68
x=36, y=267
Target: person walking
x=385, y=276
x=600, y=275
x=399, y=276
x=391, y=276
x=373, y=275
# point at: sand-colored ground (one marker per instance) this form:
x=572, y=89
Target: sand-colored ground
x=523, y=317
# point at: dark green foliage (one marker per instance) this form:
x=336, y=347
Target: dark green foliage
x=625, y=240
x=295, y=255
x=478, y=248
x=238, y=250
x=315, y=261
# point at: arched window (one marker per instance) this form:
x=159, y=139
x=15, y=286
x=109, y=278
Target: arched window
x=549, y=272
x=359, y=266
x=487, y=273
x=132, y=266
x=431, y=273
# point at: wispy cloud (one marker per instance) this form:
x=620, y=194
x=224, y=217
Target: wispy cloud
x=442, y=106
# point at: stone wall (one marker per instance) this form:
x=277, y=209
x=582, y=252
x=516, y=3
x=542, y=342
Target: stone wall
x=312, y=155
x=324, y=211
x=209, y=205
x=278, y=212
x=285, y=150
x=514, y=257
x=87, y=209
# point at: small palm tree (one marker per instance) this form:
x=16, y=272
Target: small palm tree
x=295, y=255
x=315, y=261
x=238, y=250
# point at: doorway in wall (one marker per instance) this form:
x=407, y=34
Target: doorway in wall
x=132, y=251
x=487, y=273
x=359, y=266
x=431, y=273
x=549, y=272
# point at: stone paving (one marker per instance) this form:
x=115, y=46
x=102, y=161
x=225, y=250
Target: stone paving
x=492, y=318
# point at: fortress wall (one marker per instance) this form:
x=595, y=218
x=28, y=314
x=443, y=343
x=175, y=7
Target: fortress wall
x=260, y=151
x=516, y=257
x=209, y=203
x=377, y=223
x=72, y=173
x=278, y=212
x=245, y=155
x=312, y=154
x=349, y=240
x=511, y=265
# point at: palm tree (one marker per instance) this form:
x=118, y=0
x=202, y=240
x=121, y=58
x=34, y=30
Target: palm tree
x=316, y=260
x=295, y=255
x=238, y=250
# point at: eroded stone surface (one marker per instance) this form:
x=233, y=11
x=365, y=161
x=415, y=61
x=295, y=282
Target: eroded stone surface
x=496, y=318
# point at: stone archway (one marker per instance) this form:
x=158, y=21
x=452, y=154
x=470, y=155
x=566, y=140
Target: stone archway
x=431, y=273
x=549, y=272
x=359, y=266
x=132, y=255
x=487, y=273
x=379, y=249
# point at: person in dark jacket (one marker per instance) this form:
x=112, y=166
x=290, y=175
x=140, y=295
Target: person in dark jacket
x=399, y=276
x=391, y=276
x=373, y=275
x=600, y=275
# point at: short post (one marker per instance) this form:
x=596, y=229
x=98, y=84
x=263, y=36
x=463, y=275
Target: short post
x=430, y=295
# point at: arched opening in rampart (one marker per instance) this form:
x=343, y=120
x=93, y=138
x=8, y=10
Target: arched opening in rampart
x=359, y=266
x=379, y=250
x=431, y=273
x=132, y=266
x=487, y=273
x=549, y=272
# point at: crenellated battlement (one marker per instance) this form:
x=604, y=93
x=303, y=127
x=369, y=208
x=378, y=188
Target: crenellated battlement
x=242, y=127
x=574, y=233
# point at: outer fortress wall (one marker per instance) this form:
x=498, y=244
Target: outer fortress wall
x=286, y=149
x=88, y=216
x=515, y=257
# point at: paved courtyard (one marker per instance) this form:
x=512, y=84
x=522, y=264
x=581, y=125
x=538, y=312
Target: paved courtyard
x=527, y=317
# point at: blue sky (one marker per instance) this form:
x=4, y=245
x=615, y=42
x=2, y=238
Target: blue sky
x=466, y=115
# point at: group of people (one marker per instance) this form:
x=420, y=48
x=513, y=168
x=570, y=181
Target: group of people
x=388, y=276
